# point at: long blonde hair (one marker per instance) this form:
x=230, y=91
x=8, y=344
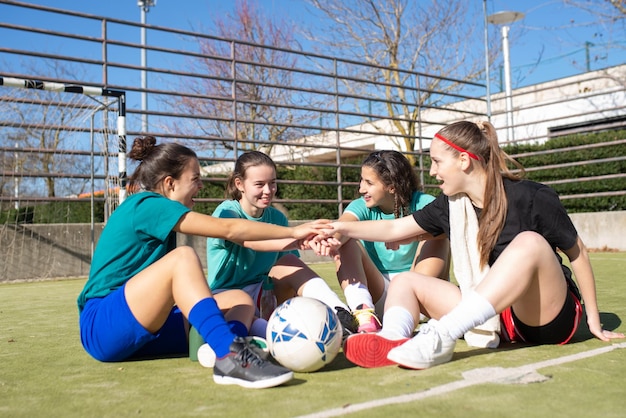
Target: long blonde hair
x=481, y=139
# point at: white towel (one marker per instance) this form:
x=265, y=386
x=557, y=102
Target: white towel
x=466, y=260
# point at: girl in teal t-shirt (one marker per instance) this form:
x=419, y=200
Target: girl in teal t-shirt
x=389, y=189
x=142, y=288
x=245, y=265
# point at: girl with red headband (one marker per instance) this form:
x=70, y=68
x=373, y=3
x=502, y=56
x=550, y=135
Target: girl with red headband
x=505, y=235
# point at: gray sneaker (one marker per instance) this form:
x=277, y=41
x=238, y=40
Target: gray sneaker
x=243, y=366
x=206, y=355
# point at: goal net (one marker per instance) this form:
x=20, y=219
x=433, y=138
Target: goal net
x=63, y=172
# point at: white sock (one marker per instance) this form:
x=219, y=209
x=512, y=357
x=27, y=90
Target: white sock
x=398, y=323
x=473, y=310
x=317, y=288
x=358, y=294
x=258, y=328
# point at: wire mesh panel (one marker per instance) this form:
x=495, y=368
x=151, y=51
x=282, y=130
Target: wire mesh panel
x=60, y=163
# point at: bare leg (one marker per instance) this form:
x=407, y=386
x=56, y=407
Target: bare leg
x=292, y=277
x=418, y=293
x=236, y=305
x=354, y=265
x=290, y=274
x=178, y=278
x=433, y=259
x=528, y=277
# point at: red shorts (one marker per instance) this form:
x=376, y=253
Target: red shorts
x=559, y=331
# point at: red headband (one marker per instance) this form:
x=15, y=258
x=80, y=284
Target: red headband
x=456, y=147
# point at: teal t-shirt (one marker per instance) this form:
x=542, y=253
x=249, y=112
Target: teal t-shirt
x=232, y=266
x=138, y=233
x=388, y=261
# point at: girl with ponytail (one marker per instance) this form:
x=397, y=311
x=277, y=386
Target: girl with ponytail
x=505, y=236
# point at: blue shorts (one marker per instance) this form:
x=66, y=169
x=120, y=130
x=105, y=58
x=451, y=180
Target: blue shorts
x=109, y=331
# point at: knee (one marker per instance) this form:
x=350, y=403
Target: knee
x=351, y=246
x=404, y=279
x=242, y=298
x=185, y=254
x=530, y=240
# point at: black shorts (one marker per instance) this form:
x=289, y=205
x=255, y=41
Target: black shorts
x=558, y=331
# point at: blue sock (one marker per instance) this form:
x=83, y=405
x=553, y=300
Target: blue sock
x=206, y=317
x=238, y=328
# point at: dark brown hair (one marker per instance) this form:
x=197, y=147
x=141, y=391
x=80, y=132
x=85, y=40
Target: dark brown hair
x=395, y=170
x=156, y=162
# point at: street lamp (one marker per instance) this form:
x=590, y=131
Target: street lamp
x=502, y=18
x=144, y=5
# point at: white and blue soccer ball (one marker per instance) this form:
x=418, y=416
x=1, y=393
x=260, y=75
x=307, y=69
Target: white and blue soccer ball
x=304, y=334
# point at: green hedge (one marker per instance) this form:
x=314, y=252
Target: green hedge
x=581, y=171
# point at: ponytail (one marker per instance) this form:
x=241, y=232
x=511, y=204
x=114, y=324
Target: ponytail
x=481, y=140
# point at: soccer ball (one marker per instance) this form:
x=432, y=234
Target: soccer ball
x=303, y=334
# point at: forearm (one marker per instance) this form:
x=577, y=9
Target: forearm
x=236, y=230
x=583, y=272
x=381, y=231
x=581, y=267
x=345, y=217
x=284, y=244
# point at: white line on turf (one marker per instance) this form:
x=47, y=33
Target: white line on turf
x=470, y=378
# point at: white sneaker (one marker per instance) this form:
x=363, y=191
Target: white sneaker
x=428, y=348
x=206, y=355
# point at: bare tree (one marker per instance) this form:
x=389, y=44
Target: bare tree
x=403, y=37
x=610, y=19
x=608, y=11
x=243, y=95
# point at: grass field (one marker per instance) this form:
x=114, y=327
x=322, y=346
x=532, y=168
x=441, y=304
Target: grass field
x=45, y=372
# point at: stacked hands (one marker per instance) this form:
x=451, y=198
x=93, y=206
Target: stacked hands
x=319, y=236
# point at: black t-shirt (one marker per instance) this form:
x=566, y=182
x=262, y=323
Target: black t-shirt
x=531, y=207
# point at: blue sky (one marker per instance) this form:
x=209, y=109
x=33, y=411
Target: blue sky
x=550, y=33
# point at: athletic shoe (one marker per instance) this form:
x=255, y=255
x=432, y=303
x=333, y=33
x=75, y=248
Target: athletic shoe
x=367, y=319
x=430, y=347
x=349, y=323
x=370, y=350
x=206, y=355
x=244, y=367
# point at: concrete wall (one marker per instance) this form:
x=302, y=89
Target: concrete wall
x=602, y=230
x=35, y=252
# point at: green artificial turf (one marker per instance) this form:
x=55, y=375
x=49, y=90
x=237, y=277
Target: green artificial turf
x=45, y=372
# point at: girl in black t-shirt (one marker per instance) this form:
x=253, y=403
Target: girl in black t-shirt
x=504, y=234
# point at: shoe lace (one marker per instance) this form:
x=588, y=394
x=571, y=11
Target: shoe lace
x=430, y=337
x=248, y=356
x=365, y=315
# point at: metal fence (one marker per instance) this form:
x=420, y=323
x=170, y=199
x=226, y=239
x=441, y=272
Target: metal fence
x=219, y=96
x=72, y=95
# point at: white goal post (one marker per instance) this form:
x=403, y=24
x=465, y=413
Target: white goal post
x=119, y=95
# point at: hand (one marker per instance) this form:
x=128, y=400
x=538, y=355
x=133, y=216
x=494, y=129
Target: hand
x=392, y=246
x=329, y=230
x=309, y=230
x=324, y=246
x=602, y=334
